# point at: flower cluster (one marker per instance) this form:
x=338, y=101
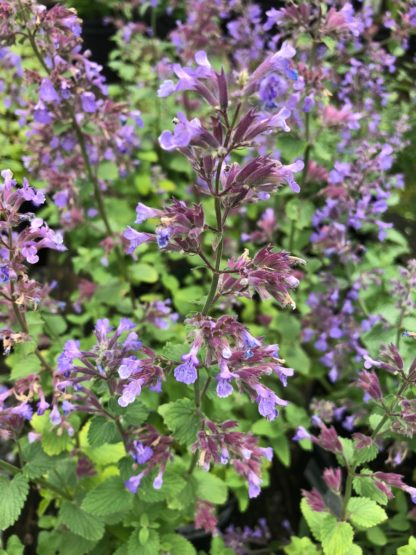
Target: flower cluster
x=219, y=444
x=23, y=234
x=241, y=359
x=74, y=125
x=150, y=451
x=119, y=360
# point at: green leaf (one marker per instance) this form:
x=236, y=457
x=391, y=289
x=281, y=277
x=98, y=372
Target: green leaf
x=107, y=170
x=80, y=522
x=136, y=414
x=281, y=447
x=38, y=461
x=337, y=537
x=12, y=498
x=143, y=273
x=314, y=519
x=181, y=419
x=54, y=443
x=347, y=451
x=210, y=488
x=376, y=536
x=151, y=547
x=15, y=546
x=23, y=366
x=366, y=487
x=330, y=42
x=102, y=430
x=175, y=544
x=107, y=498
x=365, y=513
x=301, y=546
x=399, y=522
x=55, y=324
x=218, y=547
x=409, y=549
x=365, y=454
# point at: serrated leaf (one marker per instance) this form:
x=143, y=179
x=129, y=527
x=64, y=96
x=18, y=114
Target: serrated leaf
x=210, y=488
x=12, y=499
x=365, y=454
x=80, y=522
x=365, y=513
x=136, y=414
x=38, y=461
x=172, y=485
x=314, y=519
x=336, y=537
x=102, y=430
x=301, y=546
x=177, y=545
x=151, y=547
x=22, y=367
x=181, y=419
x=347, y=451
x=366, y=487
x=107, y=498
x=54, y=443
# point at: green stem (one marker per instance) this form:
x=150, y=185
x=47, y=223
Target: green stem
x=348, y=490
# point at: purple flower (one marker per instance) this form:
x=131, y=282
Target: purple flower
x=186, y=372
x=144, y=213
x=185, y=131
x=128, y=367
x=224, y=388
x=133, y=483
x=301, y=433
x=66, y=358
x=141, y=453
x=267, y=401
x=162, y=237
x=158, y=481
x=88, y=102
x=135, y=238
x=47, y=92
x=4, y=274
x=55, y=416
x=130, y=392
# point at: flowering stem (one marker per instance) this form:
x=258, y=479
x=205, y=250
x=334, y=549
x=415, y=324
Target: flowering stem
x=88, y=168
x=351, y=469
x=348, y=490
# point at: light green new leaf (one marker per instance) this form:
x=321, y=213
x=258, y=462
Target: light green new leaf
x=409, y=549
x=301, y=546
x=12, y=498
x=314, y=519
x=365, y=513
x=210, y=488
x=336, y=537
